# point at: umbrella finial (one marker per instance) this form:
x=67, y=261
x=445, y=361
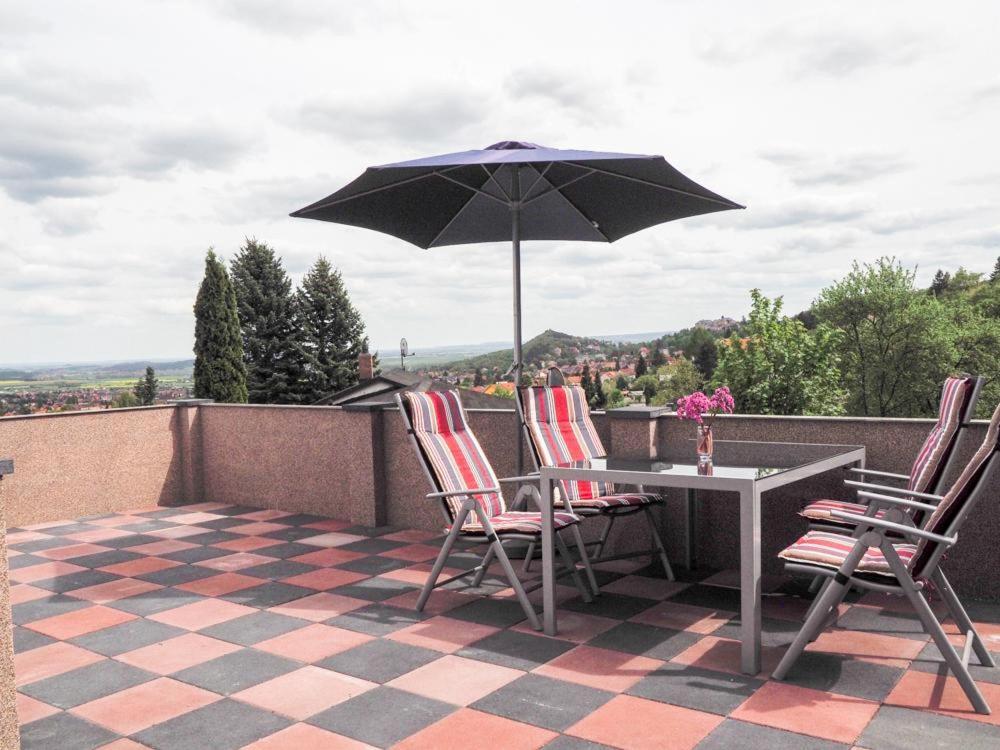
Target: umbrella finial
x=512, y=146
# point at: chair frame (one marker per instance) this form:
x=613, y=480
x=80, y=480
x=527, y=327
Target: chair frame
x=875, y=533
x=489, y=535
x=612, y=513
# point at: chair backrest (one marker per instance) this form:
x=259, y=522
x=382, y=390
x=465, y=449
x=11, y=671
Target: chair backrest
x=958, y=403
x=452, y=456
x=953, y=509
x=557, y=421
x=555, y=377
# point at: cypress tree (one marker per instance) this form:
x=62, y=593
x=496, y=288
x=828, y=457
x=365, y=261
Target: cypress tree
x=269, y=323
x=219, y=372
x=600, y=399
x=146, y=388
x=640, y=367
x=332, y=331
x=996, y=271
x=586, y=383
x=940, y=283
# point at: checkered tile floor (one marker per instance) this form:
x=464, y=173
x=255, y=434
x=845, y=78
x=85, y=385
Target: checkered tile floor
x=213, y=627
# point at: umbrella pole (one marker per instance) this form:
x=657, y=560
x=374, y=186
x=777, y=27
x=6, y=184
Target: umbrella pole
x=515, y=236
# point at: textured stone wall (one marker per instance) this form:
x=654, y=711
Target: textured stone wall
x=9, y=737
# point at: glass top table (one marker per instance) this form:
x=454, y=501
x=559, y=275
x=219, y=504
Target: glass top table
x=745, y=468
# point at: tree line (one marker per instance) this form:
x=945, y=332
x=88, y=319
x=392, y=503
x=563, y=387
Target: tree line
x=259, y=341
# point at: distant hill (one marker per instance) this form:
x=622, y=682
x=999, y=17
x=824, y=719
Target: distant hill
x=634, y=338
x=549, y=345
x=100, y=370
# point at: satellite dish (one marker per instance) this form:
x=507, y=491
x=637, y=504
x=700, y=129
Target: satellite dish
x=404, y=348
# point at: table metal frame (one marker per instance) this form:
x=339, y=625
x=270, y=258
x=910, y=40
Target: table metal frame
x=749, y=491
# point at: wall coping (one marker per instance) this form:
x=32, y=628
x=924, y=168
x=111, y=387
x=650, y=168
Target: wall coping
x=86, y=412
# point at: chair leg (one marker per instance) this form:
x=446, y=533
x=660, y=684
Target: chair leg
x=585, y=559
x=603, y=538
x=658, y=543
x=442, y=558
x=483, y=567
x=954, y=661
x=962, y=619
x=529, y=555
x=816, y=584
x=831, y=597
x=515, y=583
x=570, y=562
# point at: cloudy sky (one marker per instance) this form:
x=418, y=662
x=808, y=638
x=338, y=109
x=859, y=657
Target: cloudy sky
x=137, y=134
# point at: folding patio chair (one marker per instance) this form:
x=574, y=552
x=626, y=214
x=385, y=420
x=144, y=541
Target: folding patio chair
x=470, y=497
x=930, y=468
x=893, y=556
x=556, y=420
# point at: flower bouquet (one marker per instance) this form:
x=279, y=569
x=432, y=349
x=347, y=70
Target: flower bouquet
x=703, y=409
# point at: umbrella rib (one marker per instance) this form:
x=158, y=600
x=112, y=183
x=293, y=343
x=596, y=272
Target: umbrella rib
x=537, y=179
x=494, y=181
x=557, y=189
x=584, y=216
x=680, y=191
x=501, y=201
x=452, y=220
x=364, y=193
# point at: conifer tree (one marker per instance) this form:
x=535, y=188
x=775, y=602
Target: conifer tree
x=146, y=388
x=219, y=372
x=586, y=383
x=332, y=331
x=995, y=276
x=640, y=367
x=657, y=359
x=600, y=399
x=940, y=283
x=269, y=323
x=477, y=379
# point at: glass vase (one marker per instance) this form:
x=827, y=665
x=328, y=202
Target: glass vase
x=704, y=444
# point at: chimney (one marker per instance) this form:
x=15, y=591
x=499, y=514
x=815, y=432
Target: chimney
x=365, y=366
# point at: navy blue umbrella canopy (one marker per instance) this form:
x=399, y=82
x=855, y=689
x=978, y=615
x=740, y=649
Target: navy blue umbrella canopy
x=559, y=194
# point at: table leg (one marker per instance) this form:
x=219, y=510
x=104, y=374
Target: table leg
x=689, y=537
x=548, y=560
x=750, y=580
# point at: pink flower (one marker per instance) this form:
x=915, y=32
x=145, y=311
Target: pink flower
x=696, y=405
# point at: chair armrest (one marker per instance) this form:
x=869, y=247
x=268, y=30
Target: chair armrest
x=872, y=472
x=894, y=490
x=519, y=480
x=470, y=491
x=897, y=501
x=878, y=523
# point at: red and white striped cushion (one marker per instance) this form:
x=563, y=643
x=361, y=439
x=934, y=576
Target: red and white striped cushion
x=829, y=550
x=520, y=522
x=927, y=468
x=455, y=456
x=629, y=500
x=821, y=510
x=558, y=420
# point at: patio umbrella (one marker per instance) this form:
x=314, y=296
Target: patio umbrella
x=517, y=191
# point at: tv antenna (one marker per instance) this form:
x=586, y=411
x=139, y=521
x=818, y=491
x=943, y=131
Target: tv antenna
x=404, y=352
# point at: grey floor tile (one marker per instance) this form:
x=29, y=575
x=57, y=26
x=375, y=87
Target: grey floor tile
x=902, y=729
x=234, y=510
x=544, y=702
x=269, y=594
x=617, y=606
x=37, y=545
x=380, y=660
x=127, y=636
x=73, y=581
x=100, y=559
x=178, y=575
x=196, y=554
x=278, y=569
x=236, y=671
x=50, y=606
x=374, y=589
x=151, y=602
x=26, y=561
x=399, y=713
x=636, y=638
x=509, y=648
x=693, y=687
x=254, y=628
x=87, y=683
x=212, y=537
x=378, y=619
x=372, y=531
x=710, y=597
x=774, y=631
x=565, y=742
x=63, y=731
x=373, y=546
x=374, y=565
x=26, y=639
x=843, y=675
x=224, y=725
x=739, y=734
x=874, y=620
x=301, y=519
x=930, y=660
x=292, y=533
x=500, y=613
x=144, y=527
x=132, y=540
x=284, y=550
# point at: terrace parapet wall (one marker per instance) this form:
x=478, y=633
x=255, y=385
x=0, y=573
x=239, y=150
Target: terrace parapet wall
x=357, y=464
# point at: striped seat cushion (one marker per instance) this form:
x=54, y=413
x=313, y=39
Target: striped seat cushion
x=610, y=502
x=829, y=550
x=820, y=510
x=520, y=522
x=453, y=454
x=558, y=421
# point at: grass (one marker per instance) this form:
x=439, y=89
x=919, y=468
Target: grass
x=66, y=384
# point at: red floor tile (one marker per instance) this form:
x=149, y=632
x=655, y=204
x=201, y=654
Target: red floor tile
x=319, y=607
x=875, y=647
x=257, y=529
x=723, y=655
x=267, y=514
x=328, y=525
x=638, y=724
x=112, y=591
x=307, y=737
x=124, y=744
x=178, y=532
x=942, y=694
x=29, y=709
x=683, y=617
x=325, y=578
x=80, y=621
x=441, y=601
x=332, y=539
x=193, y=519
x=162, y=548
x=224, y=583
x=98, y=535
x=599, y=668
x=142, y=706
x=73, y=550
x=236, y=561
x=455, y=680
x=573, y=626
x=247, y=543
x=328, y=557
x=304, y=692
x=467, y=729
x=644, y=587
x=203, y=614
x=442, y=634
x=806, y=711
x=119, y=520
x=313, y=642
x=417, y=574
x=140, y=567
x=44, y=571
x=413, y=553
x=48, y=661
x=23, y=592
x=414, y=536
x=177, y=653
x=20, y=537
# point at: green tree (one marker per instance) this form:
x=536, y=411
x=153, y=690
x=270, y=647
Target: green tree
x=600, y=398
x=477, y=380
x=648, y=384
x=640, y=367
x=679, y=378
x=940, y=283
x=897, y=343
x=783, y=368
x=146, y=388
x=657, y=359
x=268, y=313
x=586, y=383
x=621, y=383
x=703, y=349
x=219, y=371
x=332, y=331
x=125, y=400
x=995, y=276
